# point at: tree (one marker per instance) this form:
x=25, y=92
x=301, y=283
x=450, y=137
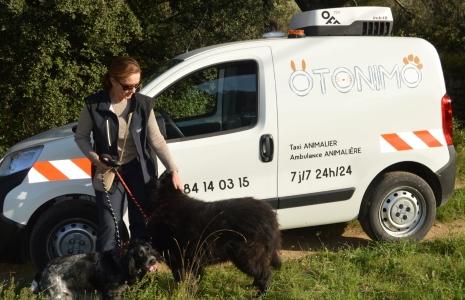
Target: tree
x=439, y=22
x=173, y=27
x=318, y=4
x=53, y=53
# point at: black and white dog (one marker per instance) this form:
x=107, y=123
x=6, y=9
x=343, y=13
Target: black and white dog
x=108, y=273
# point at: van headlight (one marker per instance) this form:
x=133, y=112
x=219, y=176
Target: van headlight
x=19, y=160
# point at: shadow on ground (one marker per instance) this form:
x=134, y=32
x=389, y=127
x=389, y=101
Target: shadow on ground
x=21, y=273
x=331, y=237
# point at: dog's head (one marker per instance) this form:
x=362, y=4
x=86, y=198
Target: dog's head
x=162, y=195
x=165, y=183
x=140, y=257
x=162, y=186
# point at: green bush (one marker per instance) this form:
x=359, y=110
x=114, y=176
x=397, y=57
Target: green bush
x=459, y=144
x=185, y=103
x=53, y=54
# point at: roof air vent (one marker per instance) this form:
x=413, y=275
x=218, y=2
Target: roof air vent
x=356, y=21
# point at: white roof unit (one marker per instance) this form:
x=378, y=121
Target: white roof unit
x=364, y=20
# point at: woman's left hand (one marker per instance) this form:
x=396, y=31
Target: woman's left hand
x=177, y=183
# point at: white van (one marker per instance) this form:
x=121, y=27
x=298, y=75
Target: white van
x=344, y=123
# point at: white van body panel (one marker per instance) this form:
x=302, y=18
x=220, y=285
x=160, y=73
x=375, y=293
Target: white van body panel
x=26, y=198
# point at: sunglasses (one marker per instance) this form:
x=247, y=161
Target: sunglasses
x=129, y=87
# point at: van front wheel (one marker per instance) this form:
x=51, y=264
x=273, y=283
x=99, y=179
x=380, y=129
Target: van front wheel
x=400, y=206
x=64, y=229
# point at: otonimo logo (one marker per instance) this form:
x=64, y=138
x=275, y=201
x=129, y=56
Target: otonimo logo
x=346, y=80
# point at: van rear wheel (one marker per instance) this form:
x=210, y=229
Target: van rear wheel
x=400, y=206
x=64, y=229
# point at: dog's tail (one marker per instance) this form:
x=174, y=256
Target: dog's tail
x=275, y=260
x=35, y=285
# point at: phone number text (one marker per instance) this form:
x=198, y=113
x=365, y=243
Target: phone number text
x=212, y=185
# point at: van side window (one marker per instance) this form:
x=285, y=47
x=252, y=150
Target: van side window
x=212, y=100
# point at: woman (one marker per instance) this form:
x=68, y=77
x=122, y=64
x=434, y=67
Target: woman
x=123, y=126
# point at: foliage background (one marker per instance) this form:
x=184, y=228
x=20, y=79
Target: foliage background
x=53, y=53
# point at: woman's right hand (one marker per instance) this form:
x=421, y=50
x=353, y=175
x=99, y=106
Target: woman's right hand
x=176, y=179
x=109, y=161
x=100, y=167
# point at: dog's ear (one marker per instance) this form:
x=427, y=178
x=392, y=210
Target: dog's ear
x=158, y=255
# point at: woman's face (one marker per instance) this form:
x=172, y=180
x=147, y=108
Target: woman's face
x=124, y=88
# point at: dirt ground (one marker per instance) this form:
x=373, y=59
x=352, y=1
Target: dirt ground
x=301, y=242
x=296, y=243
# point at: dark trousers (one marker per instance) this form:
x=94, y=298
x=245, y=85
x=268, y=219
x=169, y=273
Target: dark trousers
x=132, y=175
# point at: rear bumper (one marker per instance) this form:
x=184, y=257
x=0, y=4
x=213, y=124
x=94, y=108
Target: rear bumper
x=13, y=235
x=446, y=176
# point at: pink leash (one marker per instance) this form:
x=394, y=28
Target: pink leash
x=146, y=218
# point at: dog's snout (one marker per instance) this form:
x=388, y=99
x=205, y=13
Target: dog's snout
x=152, y=260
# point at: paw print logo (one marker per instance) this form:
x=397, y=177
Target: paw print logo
x=300, y=81
x=411, y=71
x=413, y=60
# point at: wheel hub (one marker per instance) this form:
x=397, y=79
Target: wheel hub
x=401, y=212
x=74, y=238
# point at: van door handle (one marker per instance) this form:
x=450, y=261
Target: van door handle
x=266, y=148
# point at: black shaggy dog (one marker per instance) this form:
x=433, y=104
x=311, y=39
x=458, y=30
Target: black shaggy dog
x=108, y=273
x=192, y=234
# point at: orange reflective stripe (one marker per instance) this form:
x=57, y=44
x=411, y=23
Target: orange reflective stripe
x=396, y=141
x=427, y=138
x=49, y=171
x=84, y=164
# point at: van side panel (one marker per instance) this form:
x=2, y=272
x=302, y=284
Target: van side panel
x=348, y=107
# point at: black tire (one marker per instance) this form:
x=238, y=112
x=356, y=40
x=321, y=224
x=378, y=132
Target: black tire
x=399, y=206
x=63, y=229
x=71, y=220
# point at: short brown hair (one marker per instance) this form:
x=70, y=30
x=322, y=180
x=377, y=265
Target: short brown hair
x=121, y=67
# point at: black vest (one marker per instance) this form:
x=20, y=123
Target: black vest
x=105, y=129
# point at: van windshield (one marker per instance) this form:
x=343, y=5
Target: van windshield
x=162, y=69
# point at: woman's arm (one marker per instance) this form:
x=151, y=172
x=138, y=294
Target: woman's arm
x=158, y=144
x=82, y=137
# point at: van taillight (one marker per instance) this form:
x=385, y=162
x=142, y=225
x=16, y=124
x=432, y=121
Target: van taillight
x=447, y=124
